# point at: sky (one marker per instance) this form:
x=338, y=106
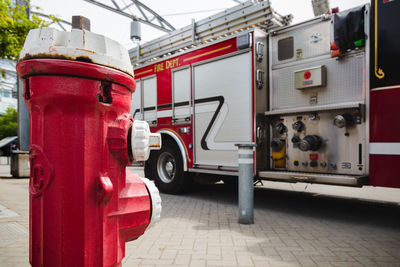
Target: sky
x=117, y=27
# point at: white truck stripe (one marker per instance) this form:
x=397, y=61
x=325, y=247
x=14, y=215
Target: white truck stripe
x=384, y=148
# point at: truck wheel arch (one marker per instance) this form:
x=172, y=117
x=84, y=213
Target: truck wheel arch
x=179, y=143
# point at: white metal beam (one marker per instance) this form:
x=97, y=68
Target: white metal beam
x=123, y=9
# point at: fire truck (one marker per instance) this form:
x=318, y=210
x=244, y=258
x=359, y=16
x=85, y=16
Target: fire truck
x=317, y=98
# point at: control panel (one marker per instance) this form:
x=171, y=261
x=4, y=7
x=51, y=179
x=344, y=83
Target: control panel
x=325, y=142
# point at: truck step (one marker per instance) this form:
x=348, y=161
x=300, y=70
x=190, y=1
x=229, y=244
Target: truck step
x=286, y=176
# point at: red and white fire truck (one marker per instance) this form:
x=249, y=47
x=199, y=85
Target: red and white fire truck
x=318, y=98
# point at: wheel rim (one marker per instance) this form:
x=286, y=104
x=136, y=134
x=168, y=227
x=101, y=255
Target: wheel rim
x=166, y=167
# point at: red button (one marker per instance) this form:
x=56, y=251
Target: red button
x=313, y=156
x=307, y=75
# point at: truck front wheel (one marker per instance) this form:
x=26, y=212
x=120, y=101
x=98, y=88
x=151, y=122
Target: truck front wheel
x=165, y=167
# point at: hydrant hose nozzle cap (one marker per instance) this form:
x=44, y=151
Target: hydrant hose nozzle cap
x=142, y=141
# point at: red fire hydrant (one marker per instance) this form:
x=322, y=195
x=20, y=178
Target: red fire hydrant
x=84, y=205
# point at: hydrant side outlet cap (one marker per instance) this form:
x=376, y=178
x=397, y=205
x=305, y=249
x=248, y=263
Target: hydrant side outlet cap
x=142, y=141
x=76, y=45
x=155, y=201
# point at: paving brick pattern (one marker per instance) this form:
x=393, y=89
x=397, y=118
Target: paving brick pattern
x=201, y=229
x=291, y=229
x=14, y=230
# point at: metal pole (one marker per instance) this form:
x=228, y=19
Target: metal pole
x=246, y=187
x=23, y=115
x=23, y=118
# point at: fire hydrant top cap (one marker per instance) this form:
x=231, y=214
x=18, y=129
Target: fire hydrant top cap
x=76, y=45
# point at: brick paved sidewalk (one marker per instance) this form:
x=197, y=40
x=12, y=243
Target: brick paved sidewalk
x=201, y=229
x=291, y=229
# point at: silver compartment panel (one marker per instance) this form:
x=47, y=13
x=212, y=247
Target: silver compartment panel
x=345, y=77
x=303, y=40
x=345, y=90
x=233, y=121
x=344, y=83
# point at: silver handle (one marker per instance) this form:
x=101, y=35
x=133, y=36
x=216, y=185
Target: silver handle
x=259, y=134
x=259, y=79
x=259, y=51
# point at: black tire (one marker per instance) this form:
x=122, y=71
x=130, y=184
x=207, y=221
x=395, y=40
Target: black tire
x=231, y=182
x=147, y=167
x=165, y=167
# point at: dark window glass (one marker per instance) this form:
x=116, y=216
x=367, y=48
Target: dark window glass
x=285, y=48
